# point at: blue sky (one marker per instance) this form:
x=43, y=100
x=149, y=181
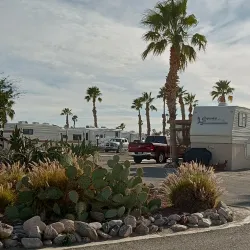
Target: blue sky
x=56, y=49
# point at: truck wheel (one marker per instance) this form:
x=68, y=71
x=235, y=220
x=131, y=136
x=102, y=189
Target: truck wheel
x=161, y=158
x=106, y=150
x=137, y=160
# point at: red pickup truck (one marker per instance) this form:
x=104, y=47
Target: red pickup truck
x=154, y=147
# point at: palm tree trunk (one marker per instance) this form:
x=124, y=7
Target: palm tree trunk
x=171, y=92
x=74, y=124
x=223, y=98
x=148, y=120
x=183, y=116
x=139, y=124
x=190, y=109
x=67, y=121
x=94, y=115
x=164, y=117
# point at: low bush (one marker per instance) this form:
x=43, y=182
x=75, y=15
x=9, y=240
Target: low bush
x=192, y=188
x=7, y=196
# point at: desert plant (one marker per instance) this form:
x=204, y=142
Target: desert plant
x=192, y=188
x=7, y=196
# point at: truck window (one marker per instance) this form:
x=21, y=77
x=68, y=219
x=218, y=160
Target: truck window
x=156, y=139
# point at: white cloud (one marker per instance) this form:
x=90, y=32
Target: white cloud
x=58, y=48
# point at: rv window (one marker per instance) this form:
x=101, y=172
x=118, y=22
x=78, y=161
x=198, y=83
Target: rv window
x=28, y=131
x=77, y=137
x=87, y=136
x=242, y=120
x=101, y=136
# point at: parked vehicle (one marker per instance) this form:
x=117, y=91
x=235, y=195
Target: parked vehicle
x=154, y=147
x=114, y=144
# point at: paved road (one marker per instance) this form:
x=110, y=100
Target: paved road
x=228, y=239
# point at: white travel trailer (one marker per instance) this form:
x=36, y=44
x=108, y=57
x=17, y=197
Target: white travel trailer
x=43, y=131
x=225, y=132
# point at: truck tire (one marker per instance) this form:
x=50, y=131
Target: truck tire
x=160, y=158
x=106, y=150
x=137, y=160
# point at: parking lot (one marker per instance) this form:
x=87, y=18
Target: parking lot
x=236, y=183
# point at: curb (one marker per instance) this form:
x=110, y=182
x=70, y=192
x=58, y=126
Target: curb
x=239, y=223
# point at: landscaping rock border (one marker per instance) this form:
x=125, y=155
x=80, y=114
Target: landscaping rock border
x=34, y=233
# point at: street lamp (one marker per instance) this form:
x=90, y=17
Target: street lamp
x=97, y=140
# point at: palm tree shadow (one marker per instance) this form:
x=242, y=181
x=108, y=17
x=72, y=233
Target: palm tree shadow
x=154, y=172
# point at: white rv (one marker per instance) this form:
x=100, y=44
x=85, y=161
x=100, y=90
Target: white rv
x=225, y=132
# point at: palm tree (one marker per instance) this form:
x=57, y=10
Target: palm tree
x=191, y=102
x=221, y=90
x=121, y=126
x=74, y=119
x=170, y=26
x=181, y=93
x=6, y=110
x=162, y=95
x=94, y=94
x=148, y=99
x=137, y=105
x=67, y=112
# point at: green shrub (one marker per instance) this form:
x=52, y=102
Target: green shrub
x=7, y=196
x=78, y=187
x=192, y=188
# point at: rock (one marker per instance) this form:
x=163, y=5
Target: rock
x=58, y=226
x=221, y=204
x=86, y=240
x=153, y=229
x=146, y=222
x=103, y=235
x=32, y=243
x=216, y=222
x=34, y=232
x=209, y=212
x=174, y=217
x=183, y=220
x=152, y=219
x=192, y=219
x=204, y=222
x=113, y=223
x=125, y=231
x=223, y=219
x=60, y=239
x=157, y=216
x=1, y=245
x=84, y=230
x=78, y=237
x=159, y=222
x=69, y=226
x=106, y=227
x=47, y=243
x=34, y=222
x=70, y=217
x=97, y=216
x=114, y=231
x=50, y=233
x=160, y=229
x=130, y=221
x=71, y=238
x=142, y=229
x=214, y=216
x=8, y=243
x=5, y=230
x=199, y=215
x=179, y=228
x=171, y=223
x=95, y=225
x=227, y=213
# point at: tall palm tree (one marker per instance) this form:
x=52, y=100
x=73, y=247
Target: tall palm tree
x=191, y=102
x=94, y=94
x=74, y=119
x=221, y=90
x=137, y=105
x=67, y=112
x=170, y=26
x=148, y=99
x=162, y=95
x=122, y=126
x=181, y=93
x=6, y=110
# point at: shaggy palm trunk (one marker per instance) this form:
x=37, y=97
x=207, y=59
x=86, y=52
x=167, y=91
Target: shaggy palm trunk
x=94, y=115
x=74, y=124
x=164, y=117
x=183, y=117
x=222, y=98
x=171, y=93
x=139, y=124
x=148, y=120
x=190, y=109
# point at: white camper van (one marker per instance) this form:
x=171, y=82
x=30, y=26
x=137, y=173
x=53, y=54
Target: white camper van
x=225, y=132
